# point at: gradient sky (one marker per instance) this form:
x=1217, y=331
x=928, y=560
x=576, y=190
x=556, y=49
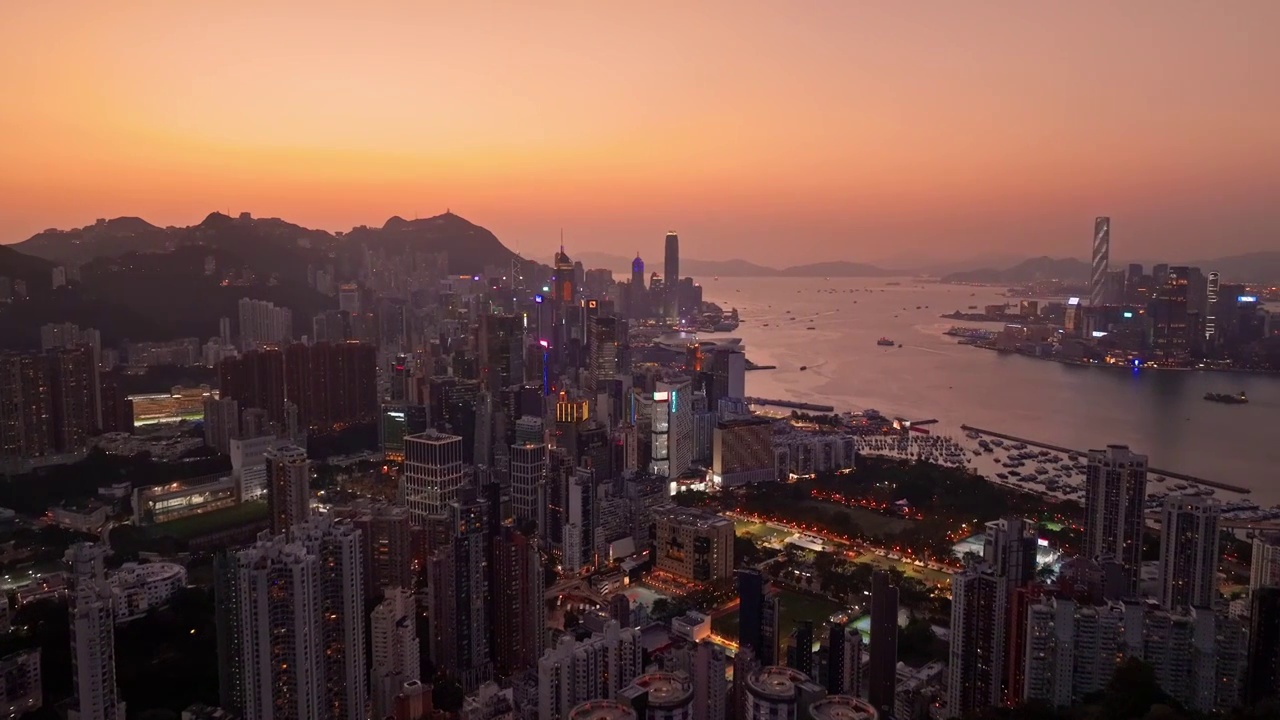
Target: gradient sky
x=774, y=131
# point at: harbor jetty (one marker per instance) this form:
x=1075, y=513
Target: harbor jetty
x=790, y=404
x=1058, y=448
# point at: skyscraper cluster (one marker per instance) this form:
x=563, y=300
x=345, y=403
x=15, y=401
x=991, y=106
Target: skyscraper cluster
x=49, y=404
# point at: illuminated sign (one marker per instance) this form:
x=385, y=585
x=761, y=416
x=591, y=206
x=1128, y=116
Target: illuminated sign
x=537, y=298
x=1098, y=333
x=661, y=396
x=544, y=343
x=475, y=278
x=1128, y=313
x=1073, y=301
x=546, y=288
x=673, y=401
x=1247, y=298
x=1042, y=542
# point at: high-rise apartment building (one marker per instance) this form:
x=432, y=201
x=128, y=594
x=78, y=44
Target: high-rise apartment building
x=758, y=615
x=255, y=379
x=221, y=423
x=458, y=595
x=981, y=618
x=288, y=487
x=1263, y=681
x=800, y=647
x=578, y=550
x=21, y=689
x=393, y=631
x=387, y=544
x=333, y=384
x=882, y=673
x=280, y=631
x=574, y=672
x=1265, y=568
x=694, y=544
x=778, y=692
x=95, y=695
x=1115, y=500
x=710, y=683
x=336, y=544
x=671, y=277
x=661, y=696
x=1189, y=552
x=519, y=616
x=1101, y=260
x=262, y=323
x=844, y=659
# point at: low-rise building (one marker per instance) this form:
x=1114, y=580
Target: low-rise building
x=138, y=588
x=21, y=690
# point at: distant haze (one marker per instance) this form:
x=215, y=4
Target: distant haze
x=781, y=133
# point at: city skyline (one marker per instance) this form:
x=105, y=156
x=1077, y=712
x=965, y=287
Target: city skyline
x=865, y=134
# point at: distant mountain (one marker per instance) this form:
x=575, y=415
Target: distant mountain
x=1260, y=267
x=36, y=272
x=468, y=246
x=1042, y=268
x=105, y=237
x=838, y=268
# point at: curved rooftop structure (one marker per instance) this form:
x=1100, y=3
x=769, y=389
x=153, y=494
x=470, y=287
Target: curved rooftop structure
x=842, y=707
x=666, y=690
x=776, y=683
x=602, y=710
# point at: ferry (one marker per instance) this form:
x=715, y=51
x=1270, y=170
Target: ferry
x=885, y=342
x=1240, y=399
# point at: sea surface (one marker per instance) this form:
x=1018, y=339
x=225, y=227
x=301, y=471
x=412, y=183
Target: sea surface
x=1161, y=413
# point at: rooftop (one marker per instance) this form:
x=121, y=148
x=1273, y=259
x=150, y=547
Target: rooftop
x=776, y=682
x=842, y=707
x=602, y=710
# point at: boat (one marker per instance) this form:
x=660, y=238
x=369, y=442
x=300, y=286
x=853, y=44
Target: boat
x=1240, y=399
x=885, y=342
x=803, y=368
x=811, y=328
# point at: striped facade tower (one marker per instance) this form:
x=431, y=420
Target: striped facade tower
x=1101, y=258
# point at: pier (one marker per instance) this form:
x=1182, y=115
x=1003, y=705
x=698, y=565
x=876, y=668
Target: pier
x=1058, y=448
x=790, y=404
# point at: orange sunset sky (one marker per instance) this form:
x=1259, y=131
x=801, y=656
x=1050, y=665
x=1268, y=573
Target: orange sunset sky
x=778, y=132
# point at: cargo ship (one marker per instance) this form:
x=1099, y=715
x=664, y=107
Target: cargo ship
x=884, y=341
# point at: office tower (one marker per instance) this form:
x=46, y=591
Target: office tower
x=580, y=516
x=757, y=615
x=672, y=420
x=1189, y=552
x=1263, y=680
x=1171, y=317
x=95, y=695
x=500, y=341
x=387, y=544
x=221, y=423
x=1101, y=258
x=638, y=299
x=742, y=452
x=262, y=323
x=602, y=352
x=671, y=278
x=844, y=659
x=982, y=616
x=574, y=672
x=882, y=673
x=457, y=595
x=529, y=484
x=280, y=620
x=1212, y=285
x=336, y=544
x=224, y=331
x=778, y=692
x=1115, y=499
x=565, y=291
x=710, y=683
x=349, y=298
x=660, y=696
x=800, y=647
x=453, y=409
x=433, y=475
x=393, y=631
x=1265, y=568
x=694, y=544
x=256, y=380
x=289, y=487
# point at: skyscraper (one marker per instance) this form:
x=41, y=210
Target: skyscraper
x=1213, y=285
x=529, y=484
x=433, y=475
x=95, y=695
x=602, y=352
x=981, y=597
x=672, y=426
x=1263, y=679
x=1171, y=317
x=336, y=544
x=519, y=611
x=1265, y=568
x=256, y=380
x=1101, y=258
x=221, y=423
x=757, y=615
x=1115, y=498
x=710, y=687
x=334, y=384
x=393, y=627
x=671, y=277
x=882, y=675
x=385, y=538
x=800, y=647
x=289, y=487
x=262, y=323
x=574, y=672
x=1189, y=552
x=280, y=631
x=844, y=659
x=638, y=301
x=457, y=595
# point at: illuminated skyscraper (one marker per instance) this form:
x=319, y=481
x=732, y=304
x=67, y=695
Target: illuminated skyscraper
x=288, y=487
x=639, y=293
x=1101, y=258
x=433, y=476
x=336, y=544
x=671, y=277
x=1189, y=552
x=1211, y=316
x=89, y=599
